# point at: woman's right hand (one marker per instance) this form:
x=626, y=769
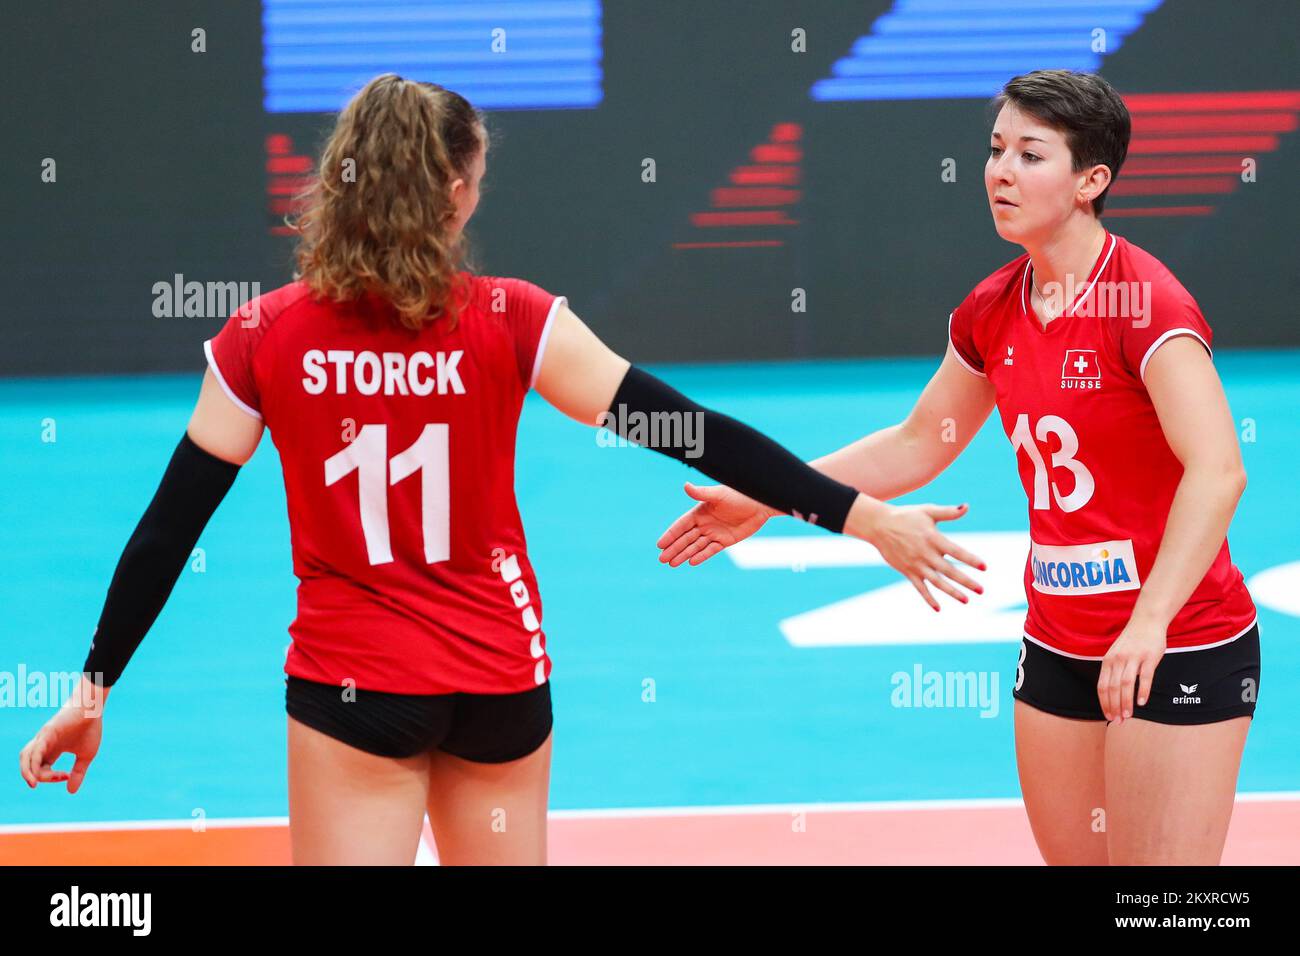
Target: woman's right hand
x=722, y=517
x=908, y=538
x=76, y=728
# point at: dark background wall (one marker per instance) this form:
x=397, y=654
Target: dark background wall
x=161, y=169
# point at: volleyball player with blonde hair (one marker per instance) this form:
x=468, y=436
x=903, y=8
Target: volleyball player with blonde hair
x=392, y=381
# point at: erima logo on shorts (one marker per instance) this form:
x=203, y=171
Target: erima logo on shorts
x=1098, y=568
x=1188, y=698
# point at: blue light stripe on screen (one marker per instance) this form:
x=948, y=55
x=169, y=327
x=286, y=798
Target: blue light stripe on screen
x=398, y=59
x=1091, y=7
x=995, y=26
x=317, y=53
x=909, y=88
x=454, y=78
x=293, y=38
x=488, y=98
x=926, y=49
x=427, y=12
x=1054, y=43
x=940, y=65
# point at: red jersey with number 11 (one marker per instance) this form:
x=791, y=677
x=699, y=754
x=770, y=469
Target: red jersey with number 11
x=398, y=450
x=1092, y=456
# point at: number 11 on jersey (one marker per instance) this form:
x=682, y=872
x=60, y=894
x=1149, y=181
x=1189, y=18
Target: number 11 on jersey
x=367, y=455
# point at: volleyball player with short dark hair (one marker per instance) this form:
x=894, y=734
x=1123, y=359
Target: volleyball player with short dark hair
x=1099, y=362
x=392, y=382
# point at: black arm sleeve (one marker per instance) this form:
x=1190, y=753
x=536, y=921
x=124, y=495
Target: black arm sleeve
x=191, y=488
x=651, y=413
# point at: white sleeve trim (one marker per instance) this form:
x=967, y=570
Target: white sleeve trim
x=240, y=404
x=964, y=364
x=546, y=334
x=1142, y=370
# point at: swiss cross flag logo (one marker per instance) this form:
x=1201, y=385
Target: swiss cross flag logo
x=1081, y=363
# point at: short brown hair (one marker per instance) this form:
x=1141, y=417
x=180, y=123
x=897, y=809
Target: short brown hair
x=1084, y=107
x=383, y=230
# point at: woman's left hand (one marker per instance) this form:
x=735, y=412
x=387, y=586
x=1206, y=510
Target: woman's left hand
x=1131, y=660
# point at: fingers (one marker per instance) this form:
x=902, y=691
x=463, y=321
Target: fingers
x=1108, y=686
x=677, y=529
x=1146, y=674
x=935, y=576
x=32, y=765
x=29, y=760
x=673, y=551
x=1103, y=688
x=1127, y=678
x=961, y=554
x=28, y=778
x=948, y=569
x=923, y=591
x=1124, y=679
x=703, y=492
x=79, y=768
x=690, y=550
x=946, y=512
x=713, y=548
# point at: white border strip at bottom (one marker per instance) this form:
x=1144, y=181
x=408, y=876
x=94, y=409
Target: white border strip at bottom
x=989, y=803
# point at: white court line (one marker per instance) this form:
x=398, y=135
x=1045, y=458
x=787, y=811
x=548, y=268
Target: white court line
x=982, y=803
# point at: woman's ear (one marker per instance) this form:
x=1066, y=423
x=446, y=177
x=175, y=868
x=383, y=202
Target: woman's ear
x=1096, y=182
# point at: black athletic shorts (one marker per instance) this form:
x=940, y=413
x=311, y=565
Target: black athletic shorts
x=1190, y=687
x=484, y=728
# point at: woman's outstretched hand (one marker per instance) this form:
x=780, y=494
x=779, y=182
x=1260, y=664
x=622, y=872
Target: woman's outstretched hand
x=76, y=729
x=908, y=538
x=721, y=518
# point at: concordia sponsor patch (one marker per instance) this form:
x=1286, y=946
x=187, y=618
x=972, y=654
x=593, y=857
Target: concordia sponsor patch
x=1098, y=568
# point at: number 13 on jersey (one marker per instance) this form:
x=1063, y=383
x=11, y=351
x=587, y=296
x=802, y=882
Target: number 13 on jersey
x=1084, y=484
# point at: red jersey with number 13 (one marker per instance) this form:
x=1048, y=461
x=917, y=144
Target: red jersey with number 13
x=398, y=451
x=1092, y=456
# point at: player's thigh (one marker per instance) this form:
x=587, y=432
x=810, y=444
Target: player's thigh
x=1170, y=790
x=1061, y=762
x=488, y=814
x=347, y=806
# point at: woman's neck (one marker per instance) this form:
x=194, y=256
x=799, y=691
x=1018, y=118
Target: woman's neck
x=1066, y=259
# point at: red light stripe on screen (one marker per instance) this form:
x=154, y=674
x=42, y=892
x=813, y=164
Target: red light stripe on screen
x=773, y=217
x=765, y=175
x=776, y=153
x=728, y=197
x=1202, y=144
x=289, y=164
x=753, y=190
x=287, y=175
x=1180, y=165
x=1176, y=137
x=1202, y=102
x=1160, y=211
x=1156, y=123
x=1183, y=185
x=287, y=186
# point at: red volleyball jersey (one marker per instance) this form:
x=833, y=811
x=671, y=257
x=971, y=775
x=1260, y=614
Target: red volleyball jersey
x=1089, y=447
x=398, y=451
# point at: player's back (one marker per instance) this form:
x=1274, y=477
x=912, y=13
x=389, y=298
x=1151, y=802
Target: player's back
x=398, y=454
